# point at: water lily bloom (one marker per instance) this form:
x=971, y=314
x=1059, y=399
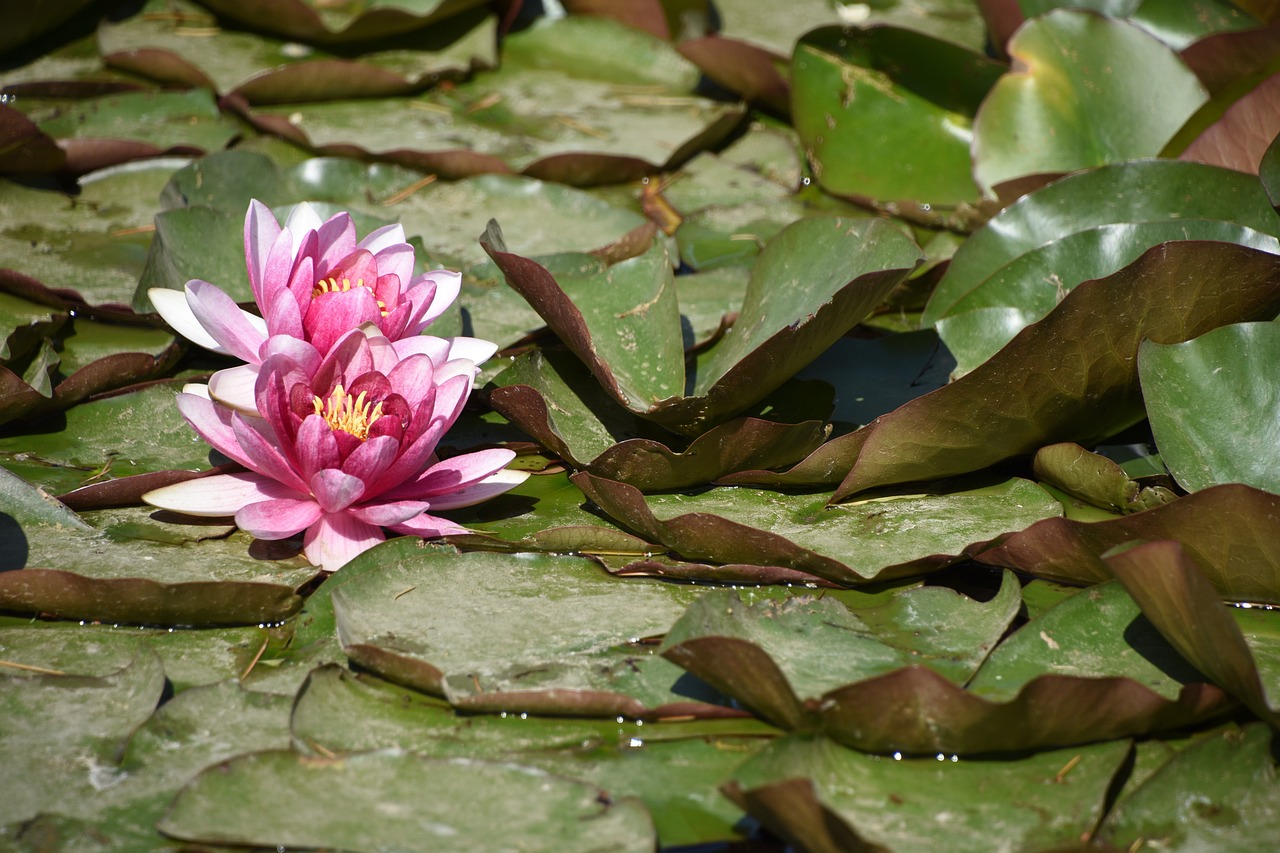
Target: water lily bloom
x=314, y=282
x=343, y=446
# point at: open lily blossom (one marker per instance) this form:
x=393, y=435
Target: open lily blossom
x=344, y=446
x=314, y=282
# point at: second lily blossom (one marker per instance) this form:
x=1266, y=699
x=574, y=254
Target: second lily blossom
x=313, y=282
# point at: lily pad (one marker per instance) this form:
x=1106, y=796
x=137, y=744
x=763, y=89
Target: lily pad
x=780, y=327
x=393, y=799
x=1217, y=794
x=1197, y=393
x=1229, y=531
x=849, y=544
x=180, y=43
x=572, y=633
x=861, y=97
x=1098, y=480
x=1068, y=63
x=320, y=23
x=822, y=797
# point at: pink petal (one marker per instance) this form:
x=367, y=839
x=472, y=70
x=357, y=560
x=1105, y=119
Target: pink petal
x=338, y=538
x=172, y=306
x=260, y=231
x=223, y=494
x=240, y=332
x=476, y=350
x=395, y=259
x=337, y=241
x=332, y=315
x=490, y=487
x=428, y=526
x=455, y=474
x=368, y=461
x=316, y=447
x=213, y=423
x=305, y=356
x=386, y=237
x=278, y=519
x=413, y=378
x=302, y=219
x=336, y=490
x=275, y=278
x=436, y=349
x=448, y=286
x=388, y=514
x=259, y=446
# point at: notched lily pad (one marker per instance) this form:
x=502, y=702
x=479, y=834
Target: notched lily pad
x=1098, y=480
x=570, y=633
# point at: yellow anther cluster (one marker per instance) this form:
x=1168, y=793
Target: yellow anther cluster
x=332, y=285
x=352, y=415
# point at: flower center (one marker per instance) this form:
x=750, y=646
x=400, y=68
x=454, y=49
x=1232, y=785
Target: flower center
x=332, y=285
x=352, y=415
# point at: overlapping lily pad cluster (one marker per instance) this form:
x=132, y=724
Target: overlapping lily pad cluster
x=896, y=382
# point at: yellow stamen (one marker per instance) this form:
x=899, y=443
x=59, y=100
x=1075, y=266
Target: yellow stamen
x=352, y=415
x=332, y=285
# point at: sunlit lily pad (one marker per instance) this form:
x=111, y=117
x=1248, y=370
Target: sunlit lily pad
x=1135, y=90
x=1098, y=480
x=571, y=632
x=820, y=796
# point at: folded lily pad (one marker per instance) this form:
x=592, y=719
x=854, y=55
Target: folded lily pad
x=1068, y=377
x=1067, y=63
x=849, y=544
x=570, y=637
x=1015, y=270
x=1098, y=480
x=134, y=570
x=397, y=800
x=808, y=287
x=1198, y=392
x=180, y=43
x=27, y=149
x=1236, y=648
x=1229, y=531
x=821, y=797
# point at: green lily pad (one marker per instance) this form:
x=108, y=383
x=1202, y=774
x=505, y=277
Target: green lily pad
x=61, y=733
x=850, y=544
x=822, y=797
x=1217, y=794
x=181, y=43
x=1068, y=63
x=397, y=800
x=571, y=632
x=861, y=97
x=1198, y=392
x=674, y=768
x=1229, y=531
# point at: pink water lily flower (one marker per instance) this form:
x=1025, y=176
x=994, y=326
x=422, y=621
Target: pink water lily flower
x=312, y=281
x=344, y=446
